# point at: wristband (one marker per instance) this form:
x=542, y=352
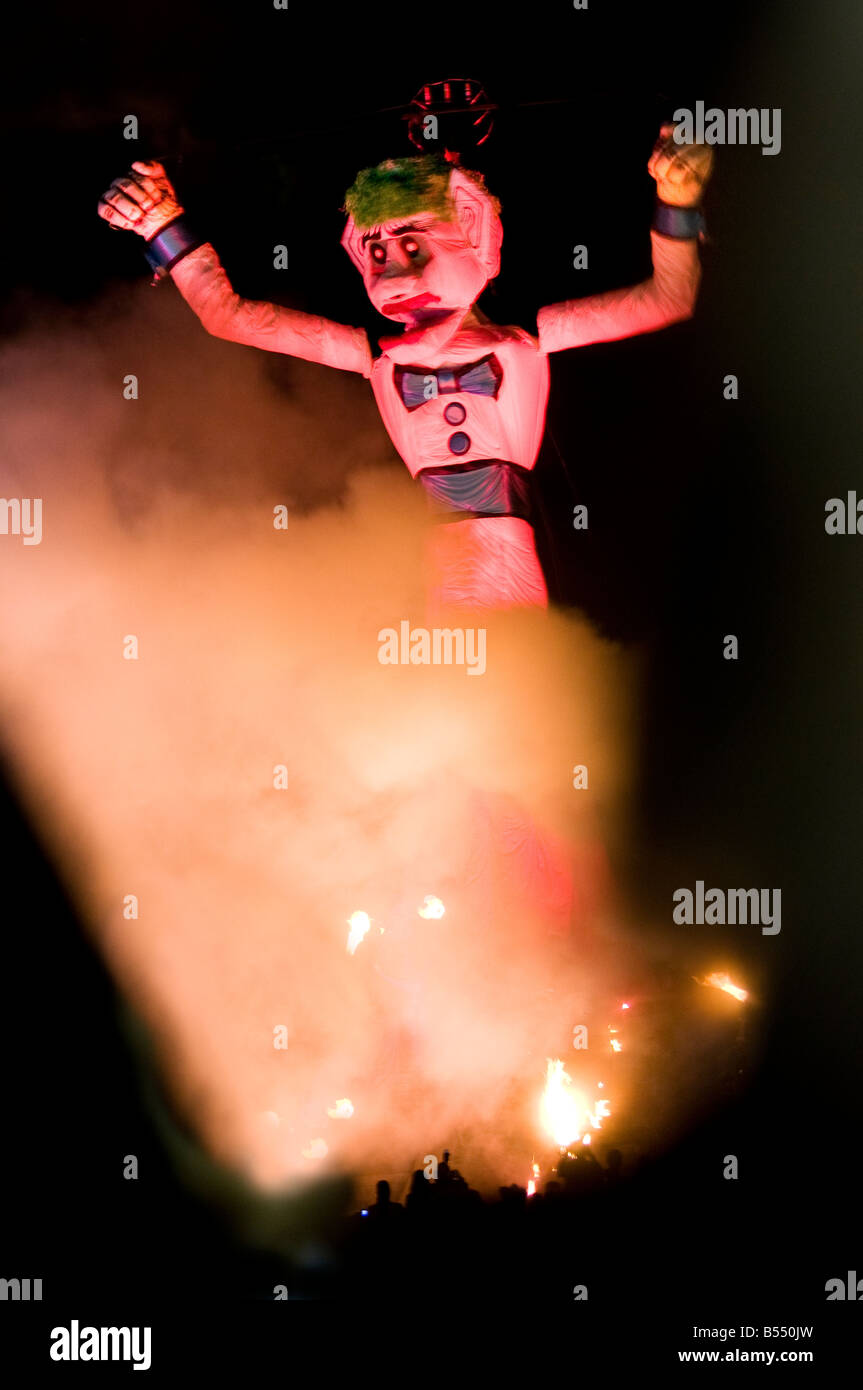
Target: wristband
x=170, y=245
x=680, y=223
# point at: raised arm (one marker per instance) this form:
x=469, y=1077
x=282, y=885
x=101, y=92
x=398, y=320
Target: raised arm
x=206, y=288
x=669, y=296
x=145, y=202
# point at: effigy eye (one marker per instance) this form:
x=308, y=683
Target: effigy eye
x=411, y=247
x=379, y=254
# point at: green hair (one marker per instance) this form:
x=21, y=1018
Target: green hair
x=400, y=187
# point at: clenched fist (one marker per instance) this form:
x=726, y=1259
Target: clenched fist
x=681, y=171
x=143, y=201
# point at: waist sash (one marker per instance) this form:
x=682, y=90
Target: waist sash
x=487, y=487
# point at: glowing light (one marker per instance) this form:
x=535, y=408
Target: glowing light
x=531, y=1187
x=624, y=1006
x=721, y=980
x=342, y=1110
x=616, y=1046
x=565, y=1112
x=561, y=1110
x=317, y=1149
x=359, y=923
x=432, y=907
x=585, y=1139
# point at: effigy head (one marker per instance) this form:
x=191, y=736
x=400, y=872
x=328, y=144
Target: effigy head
x=424, y=234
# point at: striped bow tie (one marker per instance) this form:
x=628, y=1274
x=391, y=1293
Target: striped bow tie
x=415, y=384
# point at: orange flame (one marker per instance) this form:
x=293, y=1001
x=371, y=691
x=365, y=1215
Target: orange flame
x=721, y=980
x=565, y=1112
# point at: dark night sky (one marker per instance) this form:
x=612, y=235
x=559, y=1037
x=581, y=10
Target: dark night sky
x=706, y=517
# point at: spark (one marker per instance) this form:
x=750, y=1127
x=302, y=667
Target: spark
x=359, y=923
x=432, y=907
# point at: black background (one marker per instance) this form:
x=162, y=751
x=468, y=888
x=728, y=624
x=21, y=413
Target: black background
x=706, y=517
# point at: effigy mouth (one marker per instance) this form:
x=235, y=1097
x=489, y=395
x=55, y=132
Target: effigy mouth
x=412, y=306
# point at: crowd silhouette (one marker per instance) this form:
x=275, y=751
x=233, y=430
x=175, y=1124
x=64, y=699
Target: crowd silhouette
x=444, y=1229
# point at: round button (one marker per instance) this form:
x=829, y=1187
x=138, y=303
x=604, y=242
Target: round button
x=459, y=443
x=454, y=413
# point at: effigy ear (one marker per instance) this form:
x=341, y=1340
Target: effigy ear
x=477, y=213
x=352, y=241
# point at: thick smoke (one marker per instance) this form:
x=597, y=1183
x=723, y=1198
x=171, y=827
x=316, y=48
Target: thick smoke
x=258, y=647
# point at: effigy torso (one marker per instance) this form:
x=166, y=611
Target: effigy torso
x=461, y=420
x=468, y=422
